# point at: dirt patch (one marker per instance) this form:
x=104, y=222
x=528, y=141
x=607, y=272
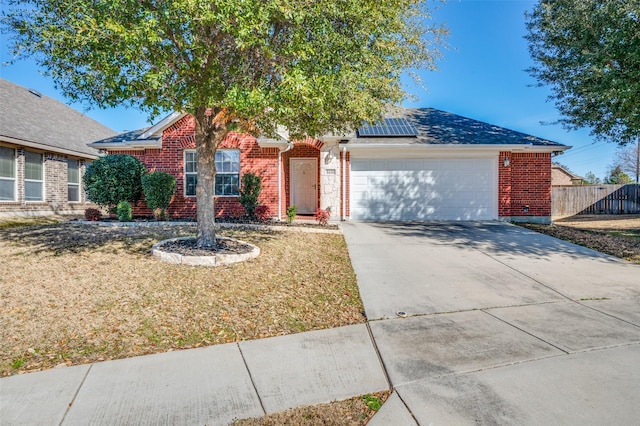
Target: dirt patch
x=615, y=235
x=73, y=294
x=353, y=412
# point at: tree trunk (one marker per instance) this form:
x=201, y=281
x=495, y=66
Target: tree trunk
x=208, y=137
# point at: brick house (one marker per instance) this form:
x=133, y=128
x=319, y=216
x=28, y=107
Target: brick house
x=43, y=153
x=420, y=164
x=563, y=177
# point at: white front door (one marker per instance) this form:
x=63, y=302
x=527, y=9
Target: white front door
x=304, y=178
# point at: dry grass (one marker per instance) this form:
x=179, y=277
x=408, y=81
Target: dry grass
x=615, y=235
x=73, y=294
x=353, y=412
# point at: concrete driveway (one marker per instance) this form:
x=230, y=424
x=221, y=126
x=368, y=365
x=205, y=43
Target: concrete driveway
x=503, y=325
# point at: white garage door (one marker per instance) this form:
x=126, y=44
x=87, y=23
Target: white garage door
x=424, y=189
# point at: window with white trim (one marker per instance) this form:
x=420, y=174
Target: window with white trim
x=73, y=181
x=33, y=176
x=227, y=172
x=7, y=174
x=190, y=174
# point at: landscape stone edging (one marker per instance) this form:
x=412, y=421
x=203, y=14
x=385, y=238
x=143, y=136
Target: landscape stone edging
x=213, y=260
x=218, y=225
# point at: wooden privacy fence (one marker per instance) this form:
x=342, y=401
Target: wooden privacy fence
x=595, y=199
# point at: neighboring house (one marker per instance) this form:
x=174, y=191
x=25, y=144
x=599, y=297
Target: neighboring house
x=43, y=153
x=563, y=177
x=422, y=164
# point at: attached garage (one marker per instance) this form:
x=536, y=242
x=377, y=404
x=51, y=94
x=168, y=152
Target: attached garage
x=424, y=188
x=426, y=164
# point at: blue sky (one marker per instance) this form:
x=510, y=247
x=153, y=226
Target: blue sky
x=481, y=76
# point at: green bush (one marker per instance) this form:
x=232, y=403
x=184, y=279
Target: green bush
x=124, y=211
x=251, y=188
x=114, y=178
x=158, y=189
x=292, y=211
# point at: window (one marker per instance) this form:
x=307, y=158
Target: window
x=228, y=172
x=33, y=176
x=7, y=174
x=190, y=175
x=73, y=180
x=227, y=176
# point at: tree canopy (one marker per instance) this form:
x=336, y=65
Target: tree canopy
x=250, y=65
x=617, y=176
x=628, y=158
x=589, y=52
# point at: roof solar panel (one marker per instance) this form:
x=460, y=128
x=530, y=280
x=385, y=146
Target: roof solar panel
x=389, y=127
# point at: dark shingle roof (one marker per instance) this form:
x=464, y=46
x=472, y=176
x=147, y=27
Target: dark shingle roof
x=437, y=127
x=28, y=116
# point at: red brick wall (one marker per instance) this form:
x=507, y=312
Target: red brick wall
x=170, y=159
x=524, y=185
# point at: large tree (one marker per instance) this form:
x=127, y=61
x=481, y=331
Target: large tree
x=246, y=65
x=628, y=158
x=589, y=52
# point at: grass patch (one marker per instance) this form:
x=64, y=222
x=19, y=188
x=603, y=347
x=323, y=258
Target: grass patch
x=354, y=411
x=617, y=238
x=86, y=293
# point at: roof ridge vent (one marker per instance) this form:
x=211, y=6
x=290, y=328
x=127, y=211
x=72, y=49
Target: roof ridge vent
x=35, y=92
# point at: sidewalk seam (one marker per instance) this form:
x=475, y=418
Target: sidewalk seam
x=407, y=407
x=380, y=360
x=253, y=383
x=525, y=331
x=75, y=395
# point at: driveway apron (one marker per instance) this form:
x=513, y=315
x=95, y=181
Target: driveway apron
x=491, y=323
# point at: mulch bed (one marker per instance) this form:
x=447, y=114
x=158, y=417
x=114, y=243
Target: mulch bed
x=189, y=247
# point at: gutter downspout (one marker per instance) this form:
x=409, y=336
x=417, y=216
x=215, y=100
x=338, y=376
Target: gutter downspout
x=289, y=146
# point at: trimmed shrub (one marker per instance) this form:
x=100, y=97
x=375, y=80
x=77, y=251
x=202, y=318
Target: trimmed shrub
x=263, y=213
x=158, y=189
x=322, y=216
x=124, y=211
x=292, y=211
x=92, y=215
x=249, y=193
x=114, y=178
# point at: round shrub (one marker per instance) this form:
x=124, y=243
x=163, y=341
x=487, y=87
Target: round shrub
x=158, y=189
x=124, y=211
x=114, y=178
x=92, y=215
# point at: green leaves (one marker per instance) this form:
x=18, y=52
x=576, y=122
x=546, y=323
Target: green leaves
x=247, y=56
x=114, y=178
x=589, y=52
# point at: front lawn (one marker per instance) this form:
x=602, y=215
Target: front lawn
x=617, y=235
x=73, y=294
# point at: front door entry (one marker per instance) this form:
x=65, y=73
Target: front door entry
x=304, y=178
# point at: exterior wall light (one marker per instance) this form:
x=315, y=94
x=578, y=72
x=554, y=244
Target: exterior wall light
x=506, y=162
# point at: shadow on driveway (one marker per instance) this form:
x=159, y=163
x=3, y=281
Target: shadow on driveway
x=491, y=237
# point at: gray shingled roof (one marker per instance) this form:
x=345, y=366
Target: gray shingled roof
x=437, y=127
x=27, y=116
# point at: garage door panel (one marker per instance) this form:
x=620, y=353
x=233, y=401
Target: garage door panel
x=423, y=189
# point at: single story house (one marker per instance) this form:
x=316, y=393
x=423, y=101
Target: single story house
x=43, y=153
x=563, y=177
x=417, y=164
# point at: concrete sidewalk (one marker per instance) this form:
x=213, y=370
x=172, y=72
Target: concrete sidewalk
x=212, y=385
